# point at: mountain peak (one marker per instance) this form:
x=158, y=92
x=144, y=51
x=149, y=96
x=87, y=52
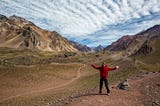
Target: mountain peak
x=14, y=17
x=17, y=32
x=99, y=48
x=19, y=20
x=80, y=47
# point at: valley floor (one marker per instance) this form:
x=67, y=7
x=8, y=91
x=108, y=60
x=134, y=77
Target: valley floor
x=52, y=87
x=73, y=82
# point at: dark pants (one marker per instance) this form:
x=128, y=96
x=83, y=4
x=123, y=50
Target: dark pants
x=101, y=85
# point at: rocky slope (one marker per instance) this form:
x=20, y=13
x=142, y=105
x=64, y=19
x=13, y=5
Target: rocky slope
x=16, y=32
x=121, y=43
x=141, y=43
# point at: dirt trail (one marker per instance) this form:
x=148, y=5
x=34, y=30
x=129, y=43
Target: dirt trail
x=118, y=97
x=46, y=89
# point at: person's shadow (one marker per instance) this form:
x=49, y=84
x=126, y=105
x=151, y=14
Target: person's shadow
x=89, y=94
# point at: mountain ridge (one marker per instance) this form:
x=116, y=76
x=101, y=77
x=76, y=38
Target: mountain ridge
x=16, y=32
x=138, y=43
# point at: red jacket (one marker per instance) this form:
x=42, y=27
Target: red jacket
x=103, y=70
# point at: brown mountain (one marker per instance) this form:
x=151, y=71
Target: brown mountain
x=141, y=43
x=121, y=43
x=16, y=32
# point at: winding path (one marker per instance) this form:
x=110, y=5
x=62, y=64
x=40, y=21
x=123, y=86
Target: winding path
x=46, y=89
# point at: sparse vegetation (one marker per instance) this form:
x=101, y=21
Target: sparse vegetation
x=46, y=70
x=149, y=62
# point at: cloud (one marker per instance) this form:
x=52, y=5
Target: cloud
x=87, y=19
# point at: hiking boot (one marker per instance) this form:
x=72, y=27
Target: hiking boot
x=100, y=92
x=108, y=94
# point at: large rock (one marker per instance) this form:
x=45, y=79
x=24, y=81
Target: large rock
x=124, y=85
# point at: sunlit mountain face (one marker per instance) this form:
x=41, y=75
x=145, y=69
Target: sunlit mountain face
x=90, y=22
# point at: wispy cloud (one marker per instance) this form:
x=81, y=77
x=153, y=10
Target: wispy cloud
x=92, y=22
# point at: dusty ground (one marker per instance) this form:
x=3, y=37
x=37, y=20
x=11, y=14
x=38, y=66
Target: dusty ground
x=46, y=87
x=145, y=91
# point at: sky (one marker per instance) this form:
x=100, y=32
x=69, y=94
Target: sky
x=89, y=22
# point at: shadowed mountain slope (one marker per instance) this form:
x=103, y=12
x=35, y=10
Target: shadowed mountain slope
x=142, y=43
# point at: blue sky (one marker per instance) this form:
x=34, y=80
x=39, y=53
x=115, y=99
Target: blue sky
x=90, y=22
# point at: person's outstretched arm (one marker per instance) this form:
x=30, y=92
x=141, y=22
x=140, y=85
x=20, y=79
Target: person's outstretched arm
x=95, y=66
x=111, y=69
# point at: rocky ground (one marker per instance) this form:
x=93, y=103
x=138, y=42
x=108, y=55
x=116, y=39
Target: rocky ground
x=144, y=91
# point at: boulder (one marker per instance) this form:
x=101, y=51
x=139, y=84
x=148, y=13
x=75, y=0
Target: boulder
x=124, y=85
